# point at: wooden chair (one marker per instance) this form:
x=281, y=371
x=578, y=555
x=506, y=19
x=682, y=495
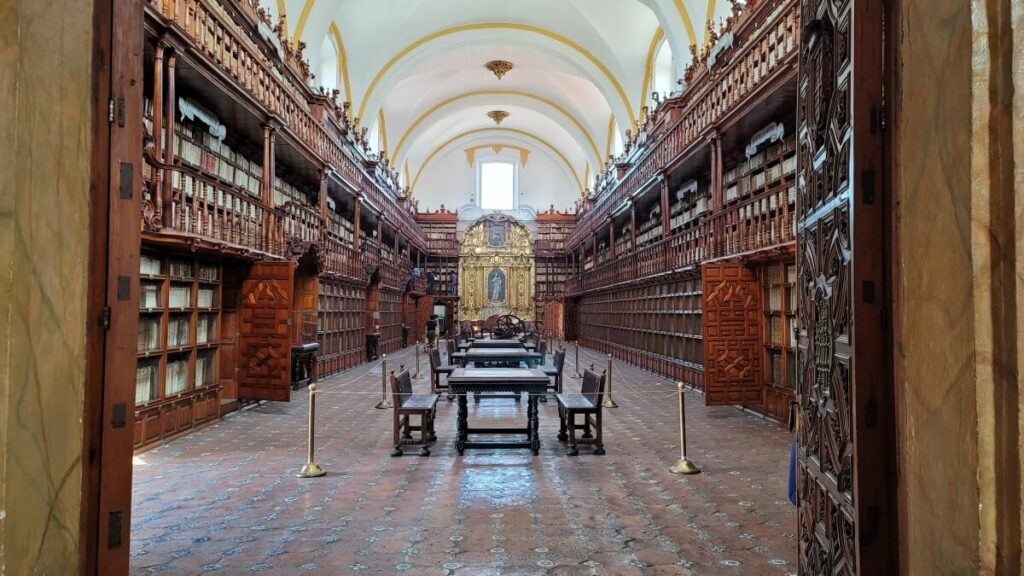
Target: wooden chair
x=554, y=371
x=588, y=404
x=405, y=405
x=436, y=370
x=455, y=358
x=542, y=349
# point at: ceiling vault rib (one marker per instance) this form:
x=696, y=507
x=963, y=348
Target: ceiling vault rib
x=469, y=133
x=498, y=26
x=339, y=43
x=517, y=93
x=687, y=22
x=652, y=52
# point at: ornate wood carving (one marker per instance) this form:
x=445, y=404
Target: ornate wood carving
x=845, y=478
x=732, y=335
x=264, y=367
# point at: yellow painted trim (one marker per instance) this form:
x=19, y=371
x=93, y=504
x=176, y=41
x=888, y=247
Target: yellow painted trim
x=382, y=130
x=709, y=16
x=303, y=16
x=406, y=169
x=339, y=43
x=586, y=179
x=466, y=134
x=412, y=127
x=652, y=52
x=687, y=22
x=501, y=26
x=611, y=138
x=524, y=153
x=282, y=14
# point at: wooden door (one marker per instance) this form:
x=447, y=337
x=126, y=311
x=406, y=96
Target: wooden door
x=264, y=338
x=116, y=176
x=846, y=471
x=732, y=335
x=304, y=321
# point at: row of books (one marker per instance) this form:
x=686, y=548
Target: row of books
x=177, y=377
x=178, y=330
x=200, y=149
x=149, y=333
x=149, y=295
x=204, y=369
x=145, y=381
x=206, y=329
x=180, y=296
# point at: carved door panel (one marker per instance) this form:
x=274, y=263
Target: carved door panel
x=265, y=332
x=732, y=335
x=846, y=472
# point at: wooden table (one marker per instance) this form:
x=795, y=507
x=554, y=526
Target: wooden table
x=503, y=381
x=474, y=355
x=510, y=343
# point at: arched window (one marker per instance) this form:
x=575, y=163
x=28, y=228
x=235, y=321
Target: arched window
x=617, y=144
x=328, y=74
x=664, y=84
x=497, y=183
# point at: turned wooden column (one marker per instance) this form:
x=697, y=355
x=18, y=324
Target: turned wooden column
x=267, y=190
x=357, y=224
x=611, y=237
x=632, y=225
x=665, y=208
x=324, y=210
x=158, y=126
x=717, y=192
x=168, y=193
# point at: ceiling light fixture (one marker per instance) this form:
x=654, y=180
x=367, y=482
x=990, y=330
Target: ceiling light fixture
x=498, y=116
x=499, y=67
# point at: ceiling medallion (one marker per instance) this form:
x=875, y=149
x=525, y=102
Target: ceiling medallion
x=499, y=67
x=498, y=116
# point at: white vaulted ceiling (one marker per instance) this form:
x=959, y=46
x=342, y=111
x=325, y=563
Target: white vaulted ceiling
x=414, y=70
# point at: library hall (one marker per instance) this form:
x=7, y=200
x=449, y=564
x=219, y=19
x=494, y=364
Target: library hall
x=527, y=288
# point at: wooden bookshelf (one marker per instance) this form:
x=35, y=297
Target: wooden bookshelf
x=657, y=327
x=177, y=385
x=341, y=326
x=778, y=281
x=390, y=320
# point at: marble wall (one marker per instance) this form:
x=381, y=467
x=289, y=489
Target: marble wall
x=958, y=257
x=45, y=138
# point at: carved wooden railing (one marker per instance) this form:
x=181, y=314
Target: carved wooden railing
x=762, y=222
x=341, y=259
x=766, y=50
x=223, y=41
x=203, y=208
x=686, y=249
x=302, y=222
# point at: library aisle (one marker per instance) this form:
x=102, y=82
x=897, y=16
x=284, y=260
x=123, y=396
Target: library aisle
x=225, y=499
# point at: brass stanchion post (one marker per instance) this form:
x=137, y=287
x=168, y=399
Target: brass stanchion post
x=608, y=401
x=683, y=465
x=384, y=402
x=577, y=374
x=311, y=469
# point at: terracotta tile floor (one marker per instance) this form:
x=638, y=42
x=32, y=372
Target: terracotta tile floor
x=225, y=500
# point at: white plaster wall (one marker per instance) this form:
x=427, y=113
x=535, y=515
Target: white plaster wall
x=452, y=181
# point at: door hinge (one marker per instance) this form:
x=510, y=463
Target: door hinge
x=105, y=320
x=114, y=530
x=110, y=111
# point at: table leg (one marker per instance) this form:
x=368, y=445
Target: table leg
x=534, y=424
x=463, y=424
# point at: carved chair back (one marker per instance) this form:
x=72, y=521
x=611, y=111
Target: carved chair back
x=401, y=387
x=593, y=386
x=435, y=359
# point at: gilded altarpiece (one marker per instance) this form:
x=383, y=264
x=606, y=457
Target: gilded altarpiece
x=496, y=270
